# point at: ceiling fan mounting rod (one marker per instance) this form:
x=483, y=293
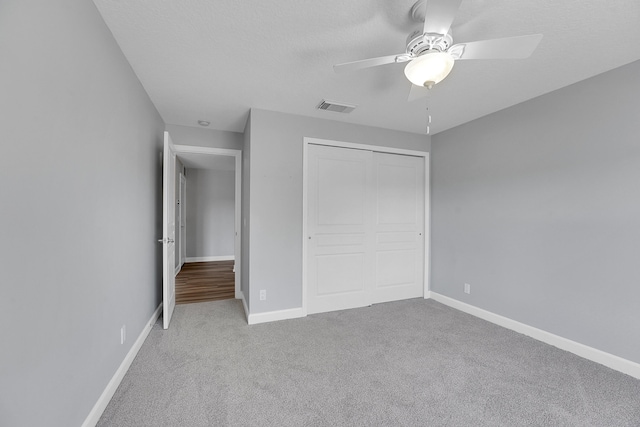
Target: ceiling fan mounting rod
x=418, y=11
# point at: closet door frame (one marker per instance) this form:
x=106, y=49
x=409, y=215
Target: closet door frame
x=378, y=149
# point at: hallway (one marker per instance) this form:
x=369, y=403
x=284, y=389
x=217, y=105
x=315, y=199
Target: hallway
x=205, y=281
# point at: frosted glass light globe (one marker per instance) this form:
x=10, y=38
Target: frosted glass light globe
x=429, y=69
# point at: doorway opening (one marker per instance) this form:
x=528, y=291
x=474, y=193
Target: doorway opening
x=207, y=212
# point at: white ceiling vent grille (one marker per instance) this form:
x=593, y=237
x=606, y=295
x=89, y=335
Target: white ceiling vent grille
x=336, y=107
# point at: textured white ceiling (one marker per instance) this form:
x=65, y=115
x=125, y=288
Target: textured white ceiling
x=213, y=60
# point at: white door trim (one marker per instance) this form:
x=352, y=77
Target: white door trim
x=183, y=220
x=237, y=154
x=367, y=147
x=427, y=227
x=378, y=149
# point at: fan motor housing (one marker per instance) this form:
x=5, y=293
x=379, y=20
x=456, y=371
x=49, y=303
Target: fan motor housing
x=418, y=43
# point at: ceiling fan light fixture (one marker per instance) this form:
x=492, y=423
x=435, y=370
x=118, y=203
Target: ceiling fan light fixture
x=429, y=69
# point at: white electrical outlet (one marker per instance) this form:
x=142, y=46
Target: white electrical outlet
x=123, y=334
x=467, y=288
x=263, y=295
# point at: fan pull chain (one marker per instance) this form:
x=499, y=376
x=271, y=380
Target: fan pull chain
x=428, y=122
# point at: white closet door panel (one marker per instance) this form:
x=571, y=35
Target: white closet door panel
x=398, y=227
x=394, y=268
x=340, y=274
x=397, y=237
x=341, y=239
x=341, y=199
x=397, y=201
x=339, y=219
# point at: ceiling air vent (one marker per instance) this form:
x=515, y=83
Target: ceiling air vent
x=335, y=107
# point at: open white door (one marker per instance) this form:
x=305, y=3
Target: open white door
x=168, y=231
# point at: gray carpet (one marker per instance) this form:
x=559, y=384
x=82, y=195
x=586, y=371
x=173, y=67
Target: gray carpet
x=409, y=363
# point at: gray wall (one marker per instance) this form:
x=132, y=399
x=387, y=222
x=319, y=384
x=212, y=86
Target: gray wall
x=204, y=137
x=538, y=208
x=80, y=191
x=210, y=213
x=276, y=196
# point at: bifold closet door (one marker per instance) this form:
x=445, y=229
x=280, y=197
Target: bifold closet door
x=398, y=227
x=339, y=224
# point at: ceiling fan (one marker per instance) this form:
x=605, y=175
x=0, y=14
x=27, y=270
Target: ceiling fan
x=431, y=53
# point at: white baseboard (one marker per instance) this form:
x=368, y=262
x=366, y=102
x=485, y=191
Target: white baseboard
x=210, y=258
x=97, y=410
x=272, y=316
x=614, y=362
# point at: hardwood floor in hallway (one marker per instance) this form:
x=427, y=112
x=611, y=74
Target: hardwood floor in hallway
x=205, y=281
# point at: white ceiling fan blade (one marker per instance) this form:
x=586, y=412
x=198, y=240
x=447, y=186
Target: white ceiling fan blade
x=506, y=48
x=417, y=92
x=439, y=15
x=372, y=62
